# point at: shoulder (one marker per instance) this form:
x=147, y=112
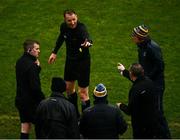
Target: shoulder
x=63, y=102
x=144, y=81
x=147, y=81
x=153, y=43
x=114, y=109
x=24, y=63
x=63, y=26
x=112, y=106
x=43, y=103
x=24, y=59
x=145, y=84
x=88, y=110
x=55, y=100
x=81, y=25
x=153, y=46
x=153, y=49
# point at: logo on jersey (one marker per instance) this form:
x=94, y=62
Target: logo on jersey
x=65, y=37
x=144, y=54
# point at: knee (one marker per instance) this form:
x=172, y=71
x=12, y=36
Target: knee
x=25, y=127
x=70, y=88
x=83, y=93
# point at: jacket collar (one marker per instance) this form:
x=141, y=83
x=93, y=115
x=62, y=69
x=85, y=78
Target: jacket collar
x=102, y=100
x=140, y=78
x=144, y=43
x=30, y=56
x=57, y=94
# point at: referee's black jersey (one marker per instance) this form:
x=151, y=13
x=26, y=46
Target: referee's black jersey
x=73, y=39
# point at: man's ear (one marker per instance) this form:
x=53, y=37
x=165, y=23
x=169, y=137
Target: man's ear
x=131, y=75
x=29, y=50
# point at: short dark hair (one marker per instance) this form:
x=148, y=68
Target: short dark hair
x=29, y=44
x=136, y=69
x=69, y=11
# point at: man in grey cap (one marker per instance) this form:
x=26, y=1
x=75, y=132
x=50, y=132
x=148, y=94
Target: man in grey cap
x=102, y=121
x=56, y=116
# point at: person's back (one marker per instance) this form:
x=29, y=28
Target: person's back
x=143, y=105
x=56, y=118
x=102, y=120
x=147, y=121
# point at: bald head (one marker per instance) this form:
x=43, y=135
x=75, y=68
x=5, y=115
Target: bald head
x=136, y=70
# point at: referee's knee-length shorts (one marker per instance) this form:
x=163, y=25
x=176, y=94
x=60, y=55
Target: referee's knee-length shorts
x=26, y=112
x=78, y=70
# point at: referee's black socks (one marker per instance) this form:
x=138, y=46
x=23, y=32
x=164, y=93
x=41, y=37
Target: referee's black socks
x=73, y=98
x=85, y=104
x=24, y=136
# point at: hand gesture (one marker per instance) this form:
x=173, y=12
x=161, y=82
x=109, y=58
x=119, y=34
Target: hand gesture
x=37, y=62
x=121, y=68
x=118, y=104
x=86, y=43
x=52, y=58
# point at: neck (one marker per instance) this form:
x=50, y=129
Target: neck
x=99, y=101
x=133, y=78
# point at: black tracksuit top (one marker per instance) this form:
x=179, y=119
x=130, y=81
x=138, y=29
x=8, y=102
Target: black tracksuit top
x=56, y=118
x=102, y=121
x=142, y=107
x=73, y=39
x=28, y=90
x=150, y=57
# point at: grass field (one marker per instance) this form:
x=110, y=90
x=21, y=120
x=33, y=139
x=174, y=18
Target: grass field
x=110, y=24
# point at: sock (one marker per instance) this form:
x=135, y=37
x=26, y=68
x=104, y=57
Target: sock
x=24, y=136
x=85, y=104
x=74, y=100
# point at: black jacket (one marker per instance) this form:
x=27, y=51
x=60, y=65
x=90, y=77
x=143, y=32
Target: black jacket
x=142, y=106
x=102, y=121
x=150, y=57
x=28, y=92
x=73, y=39
x=56, y=119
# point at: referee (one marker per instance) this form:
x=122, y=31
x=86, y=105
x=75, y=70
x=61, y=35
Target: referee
x=77, y=65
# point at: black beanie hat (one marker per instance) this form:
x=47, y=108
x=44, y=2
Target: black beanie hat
x=58, y=85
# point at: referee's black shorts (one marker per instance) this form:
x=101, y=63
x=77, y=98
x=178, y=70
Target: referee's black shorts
x=78, y=70
x=26, y=113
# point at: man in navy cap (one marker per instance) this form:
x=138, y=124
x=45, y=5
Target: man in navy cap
x=102, y=121
x=56, y=116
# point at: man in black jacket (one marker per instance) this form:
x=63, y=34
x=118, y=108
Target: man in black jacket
x=28, y=92
x=77, y=66
x=151, y=59
x=147, y=121
x=56, y=116
x=102, y=121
